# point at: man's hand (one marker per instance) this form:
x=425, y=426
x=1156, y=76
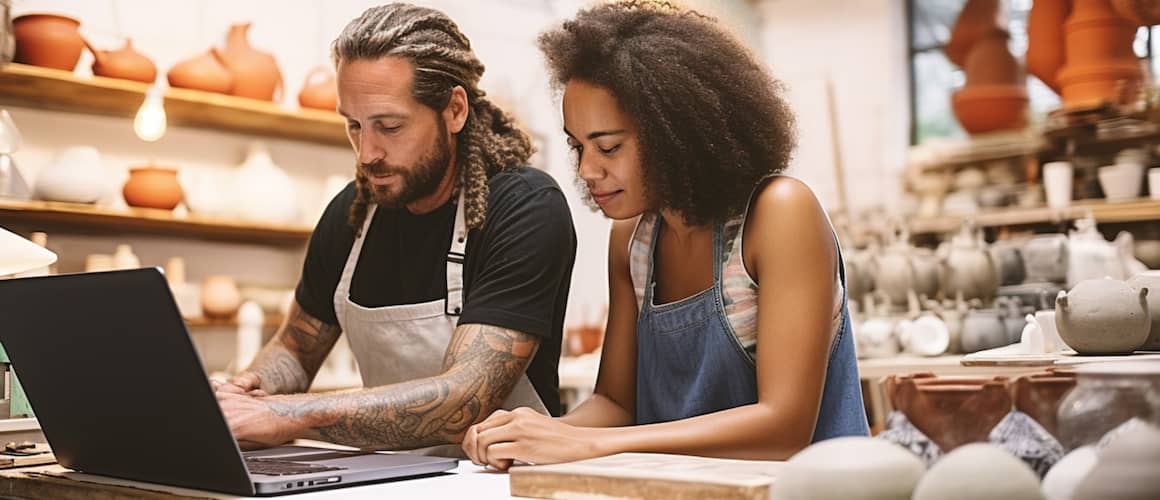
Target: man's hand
x=253, y=423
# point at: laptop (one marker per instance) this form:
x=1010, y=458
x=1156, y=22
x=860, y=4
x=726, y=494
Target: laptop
x=119, y=390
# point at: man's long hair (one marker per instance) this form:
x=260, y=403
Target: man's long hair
x=442, y=57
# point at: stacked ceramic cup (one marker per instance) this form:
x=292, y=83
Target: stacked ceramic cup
x=1122, y=180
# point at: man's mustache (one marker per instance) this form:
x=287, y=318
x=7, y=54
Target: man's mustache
x=379, y=167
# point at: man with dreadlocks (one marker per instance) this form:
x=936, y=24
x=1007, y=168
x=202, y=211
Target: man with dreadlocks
x=446, y=263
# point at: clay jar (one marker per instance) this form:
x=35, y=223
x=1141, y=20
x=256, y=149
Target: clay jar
x=48, y=40
x=255, y=73
x=1141, y=12
x=1151, y=281
x=125, y=63
x=205, y=72
x=1100, y=60
x=220, y=297
x=1038, y=395
x=319, y=91
x=1045, y=41
x=1103, y=316
x=153, y=187
x=977, y=18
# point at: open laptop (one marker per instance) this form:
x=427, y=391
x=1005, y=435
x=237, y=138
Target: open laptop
x=119, y=390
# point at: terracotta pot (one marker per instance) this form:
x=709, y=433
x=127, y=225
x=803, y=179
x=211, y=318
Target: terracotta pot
x=982, y=109
x=319, y=91
x=48, y=40
x=990, y=62
x=1100, y=59
x=1141, y=12
x=1045, y=41
x=205, y=72
x=1092, y=85
x=1038, y=396
x=256, y=73
x=153, y=187
x=956, y=414
x=220, y=297
x=976, y=19
x=125, y=63
x=1103, y=316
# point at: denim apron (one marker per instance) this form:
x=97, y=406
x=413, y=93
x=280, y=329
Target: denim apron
x=395, y=344
x=689, y=362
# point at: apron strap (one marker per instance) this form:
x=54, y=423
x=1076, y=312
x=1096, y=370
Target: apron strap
x=455, y=258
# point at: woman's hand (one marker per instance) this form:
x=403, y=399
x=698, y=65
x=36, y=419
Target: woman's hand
x=526, y=436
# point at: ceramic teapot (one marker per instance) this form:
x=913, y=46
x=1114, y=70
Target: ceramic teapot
x=926, y=271
x=875, y=336
x=1045, y=258
x=894, y=274
x=204, y=72
x=1103, y=316
x=125, y=63
x=1090, y=256
x=952, y=313
x=967, y=267
x=983, y=329
x=1008, y=259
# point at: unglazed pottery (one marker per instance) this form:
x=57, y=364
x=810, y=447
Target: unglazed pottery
x=870, y=469
x=48, y=40
x=1103, y=316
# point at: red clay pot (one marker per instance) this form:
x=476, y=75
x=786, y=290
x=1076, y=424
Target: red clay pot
x=153, y=187
x=205, y=72
x=1045, y=40
x=48, y=40
x=987, y=108
x=976, y=19
x=125, y=63
x=255, y=73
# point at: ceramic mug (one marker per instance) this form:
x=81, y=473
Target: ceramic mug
x=1057, y=176
x=1154, y=183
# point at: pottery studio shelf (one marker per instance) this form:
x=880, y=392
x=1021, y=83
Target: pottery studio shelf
x=1103, y=211
x=37, y=215
x=46, y=88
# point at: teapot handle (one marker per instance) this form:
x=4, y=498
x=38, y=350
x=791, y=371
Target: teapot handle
x=1063, y=301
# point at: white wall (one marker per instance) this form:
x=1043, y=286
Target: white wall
x=856, y=44
x=859, y=48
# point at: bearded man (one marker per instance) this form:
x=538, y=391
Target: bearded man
x=446, y=263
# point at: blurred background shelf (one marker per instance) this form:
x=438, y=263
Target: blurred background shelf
x=1102, y=210
x=100, y=220
x=271, y=321
x=46, y=88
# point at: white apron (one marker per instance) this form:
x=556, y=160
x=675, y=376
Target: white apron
x=395, y=344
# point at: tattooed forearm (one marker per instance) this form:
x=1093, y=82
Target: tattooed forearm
x=289, y=362
x=482, y=365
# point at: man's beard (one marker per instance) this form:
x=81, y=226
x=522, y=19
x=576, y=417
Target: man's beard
x=415, y=183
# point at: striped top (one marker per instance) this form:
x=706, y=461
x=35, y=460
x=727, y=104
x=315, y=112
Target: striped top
x=738, y=288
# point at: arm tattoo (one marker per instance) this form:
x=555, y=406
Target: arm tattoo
x=482, y=365
x=289, y=362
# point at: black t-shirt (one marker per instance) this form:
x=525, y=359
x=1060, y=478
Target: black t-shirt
x=517, y=272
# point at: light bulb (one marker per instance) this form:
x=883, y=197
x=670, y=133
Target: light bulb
x=149, y=124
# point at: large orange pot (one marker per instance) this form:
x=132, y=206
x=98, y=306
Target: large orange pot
x=1045, y=40
x=153, y=187
x=1140, y=12
x=1100, y=83
x=987, y=108
x=974, y=21
x=125, y=63
x=48, y=40
x=990, y=61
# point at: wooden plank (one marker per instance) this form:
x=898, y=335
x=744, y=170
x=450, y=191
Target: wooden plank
x=101, y=220
x=1103, y=211
x=647, y=476
x=53, y=89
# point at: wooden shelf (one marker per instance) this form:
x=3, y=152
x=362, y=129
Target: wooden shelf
x=1102, y=210
x=92, y=219
x=271, y=321
x=46, y=88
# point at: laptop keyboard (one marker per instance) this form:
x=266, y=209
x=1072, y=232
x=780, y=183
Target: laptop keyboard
x=271, y=467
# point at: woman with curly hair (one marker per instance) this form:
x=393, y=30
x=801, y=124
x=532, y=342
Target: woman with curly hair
x=728, y=333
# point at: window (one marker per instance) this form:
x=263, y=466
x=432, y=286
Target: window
x=933, y=78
